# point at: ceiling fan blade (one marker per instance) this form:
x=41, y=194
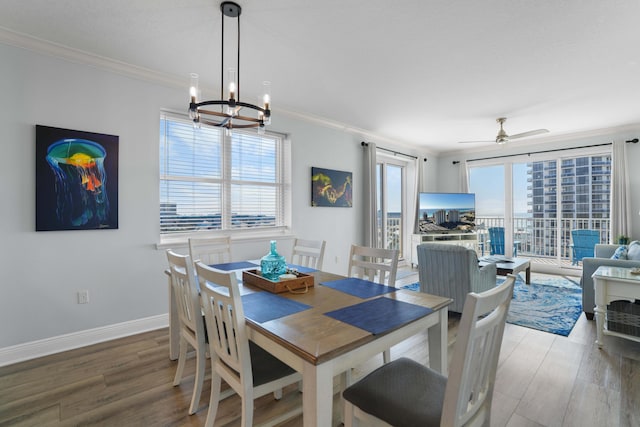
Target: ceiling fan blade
x=472, y=142
x=530, y=133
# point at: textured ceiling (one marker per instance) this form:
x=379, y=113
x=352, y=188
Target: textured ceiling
x=423, y=73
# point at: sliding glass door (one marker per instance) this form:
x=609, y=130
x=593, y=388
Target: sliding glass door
x=390, y=188
x=540, y=200
x=488, y=184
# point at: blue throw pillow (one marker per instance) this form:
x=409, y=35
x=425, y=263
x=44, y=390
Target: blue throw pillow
x=634, y=251
x=620, y=253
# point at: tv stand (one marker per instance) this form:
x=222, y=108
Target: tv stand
x=468, y=240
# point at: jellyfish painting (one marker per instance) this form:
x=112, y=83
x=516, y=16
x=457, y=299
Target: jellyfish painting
x=80, y=182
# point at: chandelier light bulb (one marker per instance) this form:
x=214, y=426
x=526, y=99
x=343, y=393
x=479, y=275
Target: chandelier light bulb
x=266, y=87
x=232, y=83
x=193, y=87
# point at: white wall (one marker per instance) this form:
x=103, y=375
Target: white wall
x=122, y=269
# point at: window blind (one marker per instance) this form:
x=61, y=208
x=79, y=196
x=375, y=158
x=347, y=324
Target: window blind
x=210, y=180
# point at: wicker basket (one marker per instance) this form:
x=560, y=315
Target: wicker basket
x=624, y=317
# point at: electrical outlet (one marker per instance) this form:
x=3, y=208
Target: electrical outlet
x=83, y=297
x=336, y=259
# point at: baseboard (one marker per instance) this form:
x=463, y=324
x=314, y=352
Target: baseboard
x=47, y=346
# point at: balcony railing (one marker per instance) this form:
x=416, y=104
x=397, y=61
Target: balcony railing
x=538, y=237
x=393, y=235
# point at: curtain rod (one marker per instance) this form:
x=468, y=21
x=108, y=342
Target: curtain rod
x=366, y=144
x=455, y=162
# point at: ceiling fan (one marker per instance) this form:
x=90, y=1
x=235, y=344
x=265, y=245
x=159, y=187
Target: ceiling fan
x=502, y=136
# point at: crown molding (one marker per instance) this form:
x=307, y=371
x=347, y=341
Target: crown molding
x=413, y=148
x=45, y=47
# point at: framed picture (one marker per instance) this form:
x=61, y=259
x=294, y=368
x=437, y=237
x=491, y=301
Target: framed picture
x=331, y=188
x=76, y=180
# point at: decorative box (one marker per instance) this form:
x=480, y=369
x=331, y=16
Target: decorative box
x=300, y=284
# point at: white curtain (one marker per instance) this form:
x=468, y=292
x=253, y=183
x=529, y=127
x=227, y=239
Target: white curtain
x=620, y=200
x=464, y=177
x=369, y=199
x=418, y=164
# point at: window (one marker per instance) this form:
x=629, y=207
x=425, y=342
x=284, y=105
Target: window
x=213, y=181
x=541, y=210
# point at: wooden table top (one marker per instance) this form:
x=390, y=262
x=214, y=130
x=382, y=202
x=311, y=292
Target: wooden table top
x=315, y=337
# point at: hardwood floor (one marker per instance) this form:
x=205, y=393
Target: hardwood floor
x=542, y=380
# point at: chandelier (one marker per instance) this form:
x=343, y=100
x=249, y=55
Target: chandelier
x=228, y=116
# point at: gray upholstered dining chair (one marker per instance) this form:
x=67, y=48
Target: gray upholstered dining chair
x=248, y=369
x=452, y=271
x=404, y=393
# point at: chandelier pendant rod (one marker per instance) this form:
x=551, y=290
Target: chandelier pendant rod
x=230, y=117
x=238, y=66
x=222, y=57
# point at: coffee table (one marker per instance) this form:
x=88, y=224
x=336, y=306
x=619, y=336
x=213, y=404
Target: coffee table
x=505, y=265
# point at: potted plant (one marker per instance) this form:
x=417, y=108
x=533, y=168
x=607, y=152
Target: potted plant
x=622, y=239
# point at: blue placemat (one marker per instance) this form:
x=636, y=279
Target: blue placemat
x=264, y=306
x=302, y=268
x=228, y=266
x=359, y=287
x=379, y=315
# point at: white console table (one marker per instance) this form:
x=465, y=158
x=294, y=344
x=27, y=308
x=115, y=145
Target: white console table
x=468, y=240
x=613, y=283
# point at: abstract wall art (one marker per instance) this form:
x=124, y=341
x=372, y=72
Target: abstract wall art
x=331, y=188
x=76, y=180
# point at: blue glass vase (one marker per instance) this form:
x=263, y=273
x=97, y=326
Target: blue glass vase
x=273, y=264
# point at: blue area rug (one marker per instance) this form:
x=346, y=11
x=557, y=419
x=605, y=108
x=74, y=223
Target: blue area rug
x=550, y=303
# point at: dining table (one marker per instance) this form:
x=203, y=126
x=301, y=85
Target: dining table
x=333, y=326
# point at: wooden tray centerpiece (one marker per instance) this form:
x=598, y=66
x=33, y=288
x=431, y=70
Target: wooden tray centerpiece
x=300, y=284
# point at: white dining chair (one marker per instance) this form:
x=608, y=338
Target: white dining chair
x=376, y=265
x=406, y=393
x=308, y=253
x=210, y=250
x=249, y=370
x=192, y=332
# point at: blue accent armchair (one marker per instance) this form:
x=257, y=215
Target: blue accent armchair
x=452, y=271
x=496, y=242
x=584, y=242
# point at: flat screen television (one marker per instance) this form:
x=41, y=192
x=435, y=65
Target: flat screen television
x=447, y=213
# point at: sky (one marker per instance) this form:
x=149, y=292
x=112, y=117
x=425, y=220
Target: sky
x=488, y=184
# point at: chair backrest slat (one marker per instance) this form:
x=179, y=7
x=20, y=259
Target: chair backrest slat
x=224, y=317
x=185, y=290
x=496, y=235
x=210, y=250
x=474, y=364
x=584, y=242
x=374, y=264
x=308, y=253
